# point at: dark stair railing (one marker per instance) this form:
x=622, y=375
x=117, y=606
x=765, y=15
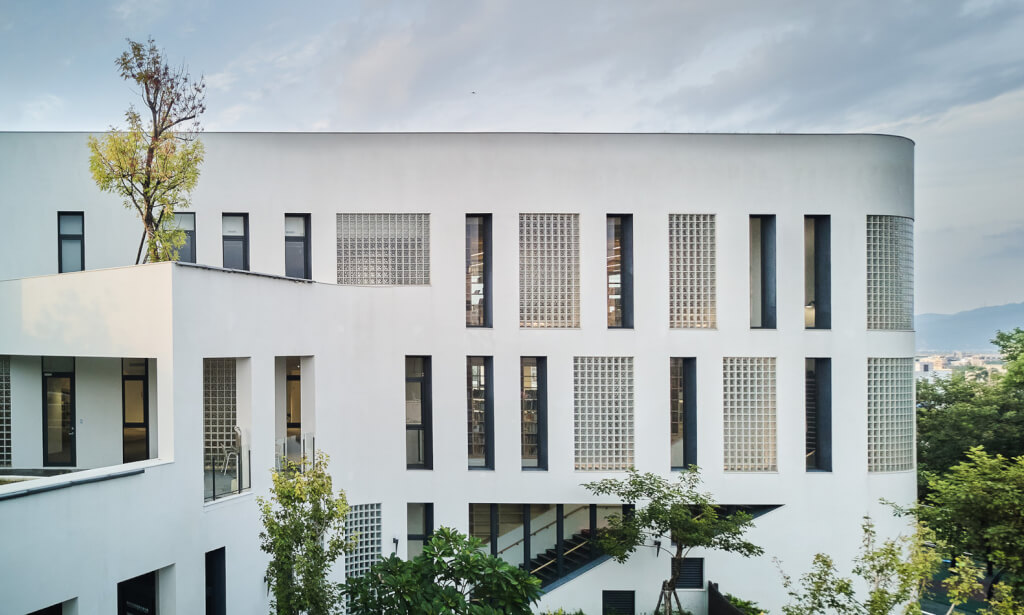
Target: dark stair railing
x=552, y=565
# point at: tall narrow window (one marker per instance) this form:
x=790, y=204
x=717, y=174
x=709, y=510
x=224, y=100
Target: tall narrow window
x=419, y=526
x=5, y=411
x=818, y=413
x=480, y=412
x=533, y=379
x=683, y=411
x=216, y=582
x=186, y=223
x=890, y=414
x=236, y=241
x=817, y=272
x=59, y=411
x=890, y=270
x=293, y=403
x=692, y=271
x=296, y=246
x=478, y=270
x=135, y=409
x=70, y=241
x=762, y=272
x=549, y=271
x=418, y=447
x=620, y=271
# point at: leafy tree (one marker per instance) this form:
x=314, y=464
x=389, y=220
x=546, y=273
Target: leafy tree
x=670, y=512
x=303, y=531
x=1010, y=343
x=895, y=573
x=976, y=508
x=451, y=576
x=154, y=163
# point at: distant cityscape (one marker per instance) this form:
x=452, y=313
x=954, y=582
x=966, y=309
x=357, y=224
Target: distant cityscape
x=975, y=366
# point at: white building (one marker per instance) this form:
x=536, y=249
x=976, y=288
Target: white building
x=490, y=320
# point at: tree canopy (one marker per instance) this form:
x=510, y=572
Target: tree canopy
x=153, y=163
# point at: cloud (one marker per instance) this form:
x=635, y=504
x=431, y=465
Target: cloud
x=42, y=110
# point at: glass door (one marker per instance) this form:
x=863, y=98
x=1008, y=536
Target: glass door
x=58, y=419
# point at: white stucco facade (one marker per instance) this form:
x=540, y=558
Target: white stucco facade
x=76, y=543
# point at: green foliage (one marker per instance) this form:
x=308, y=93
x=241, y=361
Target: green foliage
x=745, y=606
x=452, y=576
x=562, y=612
x=976, y=507
x=670, y=512
x=895, y=573
x=153, y=164
x=1010, y=343
x=303, y=531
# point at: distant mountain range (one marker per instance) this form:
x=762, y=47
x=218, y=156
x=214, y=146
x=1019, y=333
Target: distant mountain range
x=968, y=331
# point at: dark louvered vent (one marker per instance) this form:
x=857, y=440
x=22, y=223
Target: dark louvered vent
x=618, y=602
x=691, y=572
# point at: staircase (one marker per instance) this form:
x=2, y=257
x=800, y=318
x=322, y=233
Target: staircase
x=577, y=552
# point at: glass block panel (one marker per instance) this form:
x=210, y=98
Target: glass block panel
x=549, y=271
x=890, y=414
x=748, y=414
x=383, y=249
x=603, y=412
x=692, y=275
x=890, y=272
x=363, y=523
x=5, y=411
x=220, y=411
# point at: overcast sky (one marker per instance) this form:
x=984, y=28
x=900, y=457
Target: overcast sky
x=949, y=75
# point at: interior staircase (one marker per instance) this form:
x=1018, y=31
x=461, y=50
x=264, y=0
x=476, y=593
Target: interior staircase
x=578, y=551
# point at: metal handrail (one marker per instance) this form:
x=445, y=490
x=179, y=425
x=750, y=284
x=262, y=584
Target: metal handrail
x=552, y=561
x=532, y=534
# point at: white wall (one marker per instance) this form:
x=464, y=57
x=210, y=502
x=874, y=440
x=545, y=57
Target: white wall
x=358, y=336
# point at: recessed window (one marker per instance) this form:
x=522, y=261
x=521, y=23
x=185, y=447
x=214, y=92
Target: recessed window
x=186, y=223
x=692, y=271
x=59, y=442
x=817, y=272
x=480, y=412
x=549, y=271
x=216, y=583
x=296, y=246
x=890, y=297
x=420, y=525
x=748, y=414
x=690, y=572
x=235, y=232
x=418, y=450
x=70, y=241
x=683, y=411
x=620, y=270
x=135, y=409
x=818, y=414
x=478, y=270
x=618, y=602
x=762, y=272
x=138, y=595
x=533, y=396
x=293, y=408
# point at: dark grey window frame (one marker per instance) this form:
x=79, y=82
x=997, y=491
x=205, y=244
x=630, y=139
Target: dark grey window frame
x=304, y=241
x=625, y=269
x=426, y=415
x=822, y=272
x=488, y=364
x=485, y=224
x=823, y=417
x=70, y=236
x=542, y=412
x=145, y=406
x=190, y=237
x=689, y=375
x=74, y=414
x=768, y=271
x=428, y=524
x=244, y=240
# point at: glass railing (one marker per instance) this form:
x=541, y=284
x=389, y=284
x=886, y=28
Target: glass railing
x=227, y=469
x=296, y=449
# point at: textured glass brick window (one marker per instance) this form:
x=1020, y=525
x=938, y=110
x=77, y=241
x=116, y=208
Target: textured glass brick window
x=220, y=412
x=5, y=411
x=603, y=412
x=691, y=275
x=748, y=413
x=890, y=273
x=363, y=522
x=549, y=270
x=890, y=415
x=384, y=249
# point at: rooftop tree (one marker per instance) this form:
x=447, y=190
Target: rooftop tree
x=672, y=513
x=153, y=163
